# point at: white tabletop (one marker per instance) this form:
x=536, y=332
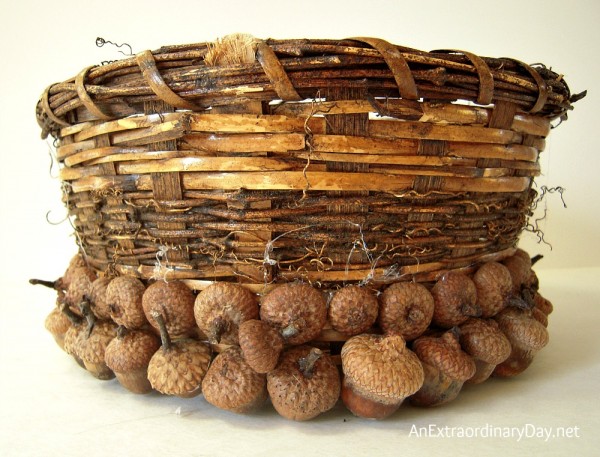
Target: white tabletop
x=48, y=403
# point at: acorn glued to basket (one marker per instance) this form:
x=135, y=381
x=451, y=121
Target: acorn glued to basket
x=278, y=211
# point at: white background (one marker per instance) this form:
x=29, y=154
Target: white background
x=46, y=42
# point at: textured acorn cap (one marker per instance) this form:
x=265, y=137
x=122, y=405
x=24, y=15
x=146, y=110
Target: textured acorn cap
x=131, y=351
x=543, y=304
x=494, y=286
x=92, y=348
x=353, y=310
x=124, y=297
x=381, y=368
x=175, y=301
x=180, y=369
x=296, y=305
x=519, y=269
x=261, y=345
x=80, y=283
x=406, y=308
x=483, y=340
x=57, y=322
x=455, y=297
x=72, y=340
x=522, y=330
x=221, y=308
x=444, y=354
x=77, y=261
x=299, y=394
x=97, y=296
x=231, y=384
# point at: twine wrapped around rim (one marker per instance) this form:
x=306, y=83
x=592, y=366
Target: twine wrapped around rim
x=329, y=161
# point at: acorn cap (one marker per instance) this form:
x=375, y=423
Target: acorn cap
x=73, y=336
x=296, y=306
x=519, y=270
x=261, y=345
x=483, y=340
x=131, y=351
x=221, y=308
x=455, y=297
x=180, y=369
x=175, y=301
x=494, y=286
x=444, y=354
x=97, y=297
x=406, y=308
x=231, y=384
x=306, y=383
x=92, y=348
x=381, y=368
x=124, y=297
x=57, y=322
x=79, y=285
x=522, y=330
x=353, y=310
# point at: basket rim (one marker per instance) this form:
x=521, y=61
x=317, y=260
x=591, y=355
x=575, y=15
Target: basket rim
x=295, y=70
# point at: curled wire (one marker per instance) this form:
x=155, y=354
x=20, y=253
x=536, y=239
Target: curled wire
x=101, y=42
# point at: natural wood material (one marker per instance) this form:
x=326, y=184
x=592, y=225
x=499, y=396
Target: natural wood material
x=323, y=160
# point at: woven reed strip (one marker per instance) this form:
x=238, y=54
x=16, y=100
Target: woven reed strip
x=436, y=75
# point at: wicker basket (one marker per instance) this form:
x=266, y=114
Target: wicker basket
x=332, y=162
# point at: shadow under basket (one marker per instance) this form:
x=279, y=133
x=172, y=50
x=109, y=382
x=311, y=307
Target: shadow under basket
x=328, y=162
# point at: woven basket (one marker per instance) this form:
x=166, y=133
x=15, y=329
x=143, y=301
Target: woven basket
x=331, y=162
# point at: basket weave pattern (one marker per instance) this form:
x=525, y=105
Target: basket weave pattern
x=327, y=161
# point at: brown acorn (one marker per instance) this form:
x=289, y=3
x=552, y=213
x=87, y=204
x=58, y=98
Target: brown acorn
x=261, y=344
x=97, y=298
x=79, y=287
x=57, y=323
x=520, y=272
x=62, y=283
x=128, y=356
x=221, y=308
x=455, y=297
x=178, y=367
x=124, y=298
x=175, y=301
x=93, y=343
x=524, y=256
x=406, y=309
x=539, y=316
x=543, y=304
x=379, y=373
x=494, y=288
x=231, y=384
x=446, y=368
x=77, y=261
x=527, y=336
x=306, y=383
x=297, y=309
x=353, y=310
x=74, y=334
x=485, y=342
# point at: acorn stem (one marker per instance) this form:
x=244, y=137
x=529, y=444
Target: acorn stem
x=218, y=327
x=43, y=282
x=289, y=331
x=86, y=310
x=307, y=364
x=74, y=318
x=122, y=331
x=162, y=326
x=536, y=258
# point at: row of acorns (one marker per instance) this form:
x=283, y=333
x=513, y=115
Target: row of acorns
x=409, y=342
